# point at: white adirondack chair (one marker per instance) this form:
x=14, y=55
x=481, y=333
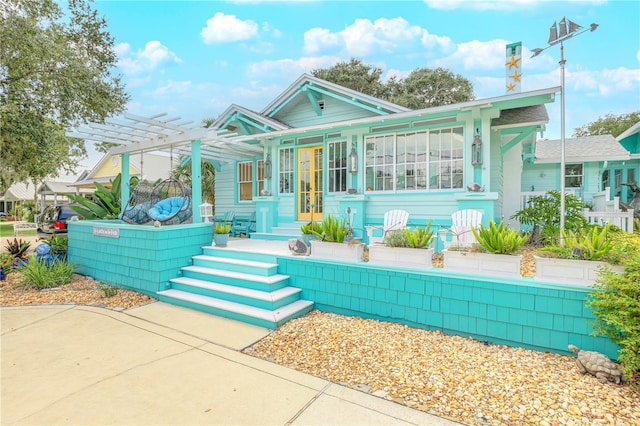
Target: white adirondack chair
x=393, y=220
x=460, y=234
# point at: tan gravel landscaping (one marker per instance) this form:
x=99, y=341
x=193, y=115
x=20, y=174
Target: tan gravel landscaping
x=452, y=377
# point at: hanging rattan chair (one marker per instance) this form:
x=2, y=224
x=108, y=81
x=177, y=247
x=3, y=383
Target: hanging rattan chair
x=170, y=203
x=135, y=212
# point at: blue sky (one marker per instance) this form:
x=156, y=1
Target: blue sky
x=194, y=58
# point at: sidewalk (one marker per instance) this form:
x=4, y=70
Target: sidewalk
x=162, y=364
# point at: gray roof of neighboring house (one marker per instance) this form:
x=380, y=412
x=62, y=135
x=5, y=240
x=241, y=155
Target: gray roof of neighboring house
x=579, y=150
x=19, y=191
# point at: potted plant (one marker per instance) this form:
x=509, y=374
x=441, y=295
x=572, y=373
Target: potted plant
x=221, y=234
x=330, y=242
x=409, y=248
x=579, y=258
x=494, y=253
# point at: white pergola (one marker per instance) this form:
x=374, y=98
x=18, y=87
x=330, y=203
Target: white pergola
x=136, y=134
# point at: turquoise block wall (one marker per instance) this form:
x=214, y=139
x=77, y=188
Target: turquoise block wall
x=514, y=312
x=141, y=258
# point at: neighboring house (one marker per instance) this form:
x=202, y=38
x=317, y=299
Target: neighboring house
x=148, y=166
x=592, y=164
x=17, y=193
x=329, y=150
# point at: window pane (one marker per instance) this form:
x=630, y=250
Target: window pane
x=337, y=170
x=245, y=180
x=285, y=174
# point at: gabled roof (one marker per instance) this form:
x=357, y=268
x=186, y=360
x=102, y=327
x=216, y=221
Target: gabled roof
x=19, y=191
x=505, y=102
x=309, y=89
x=51, y=187
x=580, y=150
x=630, y=131
x=248, y=121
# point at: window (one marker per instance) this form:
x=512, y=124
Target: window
x=285, y=175
x=260, y=165
x=245, y=180
x=573, y=175
x=337, y=170
x=422, y=160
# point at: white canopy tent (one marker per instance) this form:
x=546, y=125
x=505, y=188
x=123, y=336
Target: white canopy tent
x=133, y=133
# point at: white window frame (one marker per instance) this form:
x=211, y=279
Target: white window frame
x=337, y=167
x=414, y=161
x=286, y=170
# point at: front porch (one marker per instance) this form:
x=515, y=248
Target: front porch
x=164, y=261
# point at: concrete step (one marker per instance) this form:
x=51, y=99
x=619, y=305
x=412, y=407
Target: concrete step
x=240, y=279
x=237, y=265
x=256, y=298
x=261, y=317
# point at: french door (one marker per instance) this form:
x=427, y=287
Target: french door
x=310, y=179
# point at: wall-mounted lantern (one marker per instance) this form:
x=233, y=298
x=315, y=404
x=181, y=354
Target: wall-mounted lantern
x=206, y=212
x=353, y=160
x=267, y=167
x=476, y=150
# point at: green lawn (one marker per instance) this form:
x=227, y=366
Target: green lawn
x=6, y=230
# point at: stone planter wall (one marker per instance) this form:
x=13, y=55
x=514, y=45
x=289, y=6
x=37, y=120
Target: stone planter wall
x=497, y=265
x=337, y=251
x=402, y=257
x=570, y=271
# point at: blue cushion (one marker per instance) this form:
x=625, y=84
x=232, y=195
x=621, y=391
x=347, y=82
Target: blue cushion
x=166, y=208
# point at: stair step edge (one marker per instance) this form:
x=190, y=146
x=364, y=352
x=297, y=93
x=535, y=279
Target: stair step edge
x=272, y=296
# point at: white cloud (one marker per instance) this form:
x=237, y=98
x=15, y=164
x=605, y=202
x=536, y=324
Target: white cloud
x=476, y=55
x=172, y=88
x=223, y=28
x=153, y=55
x=364, y=37
x=292, y=67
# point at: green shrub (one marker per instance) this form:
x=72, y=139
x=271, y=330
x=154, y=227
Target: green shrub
x=543, y=214
x=109, y=290
x=397, y=238
x=39, y=275
x=615, y=302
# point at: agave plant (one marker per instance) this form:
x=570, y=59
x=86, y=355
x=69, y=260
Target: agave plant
x=499, y=239
x=333, y=229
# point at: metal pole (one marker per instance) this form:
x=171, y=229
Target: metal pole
x=562, y=144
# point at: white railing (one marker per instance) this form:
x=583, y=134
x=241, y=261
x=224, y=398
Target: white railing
x=623, y=220
x=602, y=201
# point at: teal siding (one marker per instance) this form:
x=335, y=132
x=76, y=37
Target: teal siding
x=519, y=313
x=304, y=114
x=142, y=258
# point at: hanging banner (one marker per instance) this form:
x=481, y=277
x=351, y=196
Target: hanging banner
x=513, y=67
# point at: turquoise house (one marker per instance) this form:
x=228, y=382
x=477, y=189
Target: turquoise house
x=320, y=149
x=328, y=149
